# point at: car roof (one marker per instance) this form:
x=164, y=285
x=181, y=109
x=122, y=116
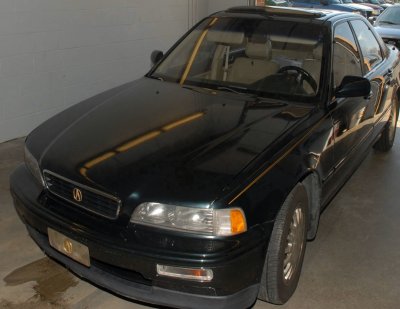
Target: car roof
x=271, y=11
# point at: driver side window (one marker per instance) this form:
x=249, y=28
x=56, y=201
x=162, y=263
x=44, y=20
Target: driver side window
x=346, y=56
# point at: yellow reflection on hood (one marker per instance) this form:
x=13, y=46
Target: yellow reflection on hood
x=100, y=159
x=137, y=141
x=182, y=121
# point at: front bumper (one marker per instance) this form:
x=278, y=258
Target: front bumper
x=141, y=292
x=131, y=273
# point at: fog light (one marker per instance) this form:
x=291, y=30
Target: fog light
x=197, y=274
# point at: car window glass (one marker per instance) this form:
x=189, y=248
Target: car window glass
x=390, y=16
x=346, y=56
x=268, y=57
x=369, y=45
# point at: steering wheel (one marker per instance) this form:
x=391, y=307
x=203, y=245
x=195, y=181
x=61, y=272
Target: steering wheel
x=303, y=75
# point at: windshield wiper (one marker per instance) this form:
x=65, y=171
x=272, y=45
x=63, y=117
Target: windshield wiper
x=234, y=89
x=155, y=77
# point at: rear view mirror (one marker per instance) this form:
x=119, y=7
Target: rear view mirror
x=353, y=86
x=156, y=56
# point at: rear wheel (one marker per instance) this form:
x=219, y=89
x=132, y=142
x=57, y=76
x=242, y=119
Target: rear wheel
x=386, y=140
x=286, y=249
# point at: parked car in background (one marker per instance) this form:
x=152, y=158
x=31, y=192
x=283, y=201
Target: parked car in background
x=334, y=5
x=373, y=12
x=377, y=9
x=380, y=3
x=283, y=3
x=198, y=185
x=388, y=25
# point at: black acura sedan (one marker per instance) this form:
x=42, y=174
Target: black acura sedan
x=199, y=184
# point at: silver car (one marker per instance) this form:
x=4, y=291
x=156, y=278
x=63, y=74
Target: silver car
x=388, y=25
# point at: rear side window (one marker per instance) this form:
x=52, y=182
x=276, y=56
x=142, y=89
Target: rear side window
x=369, y=45
x=346, y=56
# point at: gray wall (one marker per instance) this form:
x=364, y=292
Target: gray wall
x=201, y=8
x=218, y=5
x=55, y=53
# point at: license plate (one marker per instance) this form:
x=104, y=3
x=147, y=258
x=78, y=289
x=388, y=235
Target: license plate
x=69, y=247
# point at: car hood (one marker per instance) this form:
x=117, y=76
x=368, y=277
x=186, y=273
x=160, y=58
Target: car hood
x=371, y=6
x=157, y=141
x=357, y=6
x=388, y=31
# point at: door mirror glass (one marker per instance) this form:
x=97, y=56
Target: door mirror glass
x=156, y=56
x=353, y=86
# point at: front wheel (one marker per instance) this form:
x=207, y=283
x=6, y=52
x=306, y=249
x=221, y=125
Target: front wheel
x=385, y=142
x=286, y=249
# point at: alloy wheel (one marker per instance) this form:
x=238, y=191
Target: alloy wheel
x=294, y=245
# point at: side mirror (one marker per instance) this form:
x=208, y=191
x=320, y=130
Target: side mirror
x=353, y=86
x=324, y=2
x=156, y=56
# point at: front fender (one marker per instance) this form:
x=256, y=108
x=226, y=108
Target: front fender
x=311, y=153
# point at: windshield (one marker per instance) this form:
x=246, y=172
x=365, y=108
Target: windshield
x=347, y=1
x=390, y=16
x=374, y=2
x=264, y=57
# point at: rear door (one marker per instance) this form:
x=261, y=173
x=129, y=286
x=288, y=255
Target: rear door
x=377, y=70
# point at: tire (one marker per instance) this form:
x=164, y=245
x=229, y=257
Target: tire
x=282, y=270
x=385, y=142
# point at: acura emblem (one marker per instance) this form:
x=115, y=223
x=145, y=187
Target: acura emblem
x=77, y=195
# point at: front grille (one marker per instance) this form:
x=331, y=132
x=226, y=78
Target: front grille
x=91, y=199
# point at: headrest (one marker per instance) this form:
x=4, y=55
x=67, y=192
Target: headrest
x=317, y=52
x=225, y=37
x=292, y=40
x=259, y=50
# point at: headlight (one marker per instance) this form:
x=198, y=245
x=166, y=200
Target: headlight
x=376, y=12
x=33, y=166
x=218, y=222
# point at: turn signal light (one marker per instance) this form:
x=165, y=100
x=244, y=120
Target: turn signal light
x=196, y=274
x=238, y=222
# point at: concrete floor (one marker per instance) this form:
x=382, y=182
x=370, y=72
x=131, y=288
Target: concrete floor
x=353, y=263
